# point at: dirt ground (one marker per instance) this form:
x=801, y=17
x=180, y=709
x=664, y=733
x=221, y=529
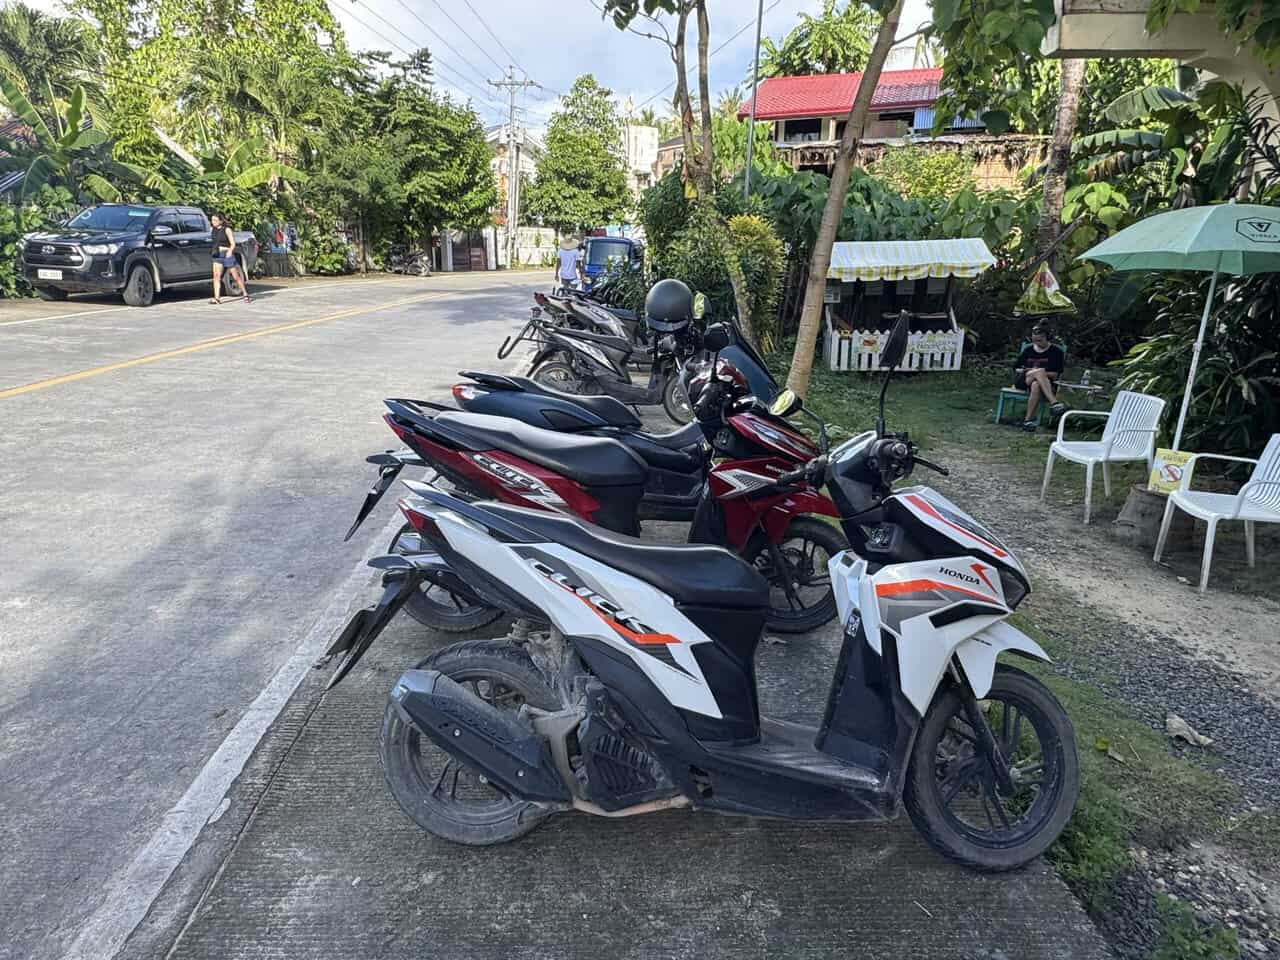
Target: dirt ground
x=1238, y=631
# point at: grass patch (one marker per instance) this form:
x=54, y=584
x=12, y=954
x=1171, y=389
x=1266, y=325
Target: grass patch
x=950, y=413
x=1133, y=788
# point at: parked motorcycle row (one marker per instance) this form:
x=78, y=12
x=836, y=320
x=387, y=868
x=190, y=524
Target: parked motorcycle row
x=625, y=683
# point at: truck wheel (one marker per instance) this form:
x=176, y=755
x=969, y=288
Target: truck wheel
x=140, y=289
x=51, y=293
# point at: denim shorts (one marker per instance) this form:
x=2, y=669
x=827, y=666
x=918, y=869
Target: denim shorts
x=225, y=261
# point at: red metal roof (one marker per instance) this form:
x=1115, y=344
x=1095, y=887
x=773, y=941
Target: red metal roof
x=830, y=94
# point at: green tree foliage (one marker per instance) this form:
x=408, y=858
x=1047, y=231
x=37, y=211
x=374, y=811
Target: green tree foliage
x=581, y=182
x=1254, y=23
x=837, y=40
x=729, y=136
x=759, y=252
x=37, y=212
x=47, y=57
x=62, y=152
x=929, y=174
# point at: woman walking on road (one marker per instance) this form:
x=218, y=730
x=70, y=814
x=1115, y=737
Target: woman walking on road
x=224, y=257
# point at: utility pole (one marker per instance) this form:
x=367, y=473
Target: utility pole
x=513, y=87
x=751, y=124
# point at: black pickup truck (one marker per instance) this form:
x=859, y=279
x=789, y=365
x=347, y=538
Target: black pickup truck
x=126, y=248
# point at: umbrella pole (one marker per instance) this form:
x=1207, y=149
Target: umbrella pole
x=1195, y=358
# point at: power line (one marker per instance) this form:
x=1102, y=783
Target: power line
x=736, y=34
x=501, y=46
x=437, y=63
x=463, y=31
x=480, y=77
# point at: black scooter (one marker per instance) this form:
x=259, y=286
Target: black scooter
x=581, y=362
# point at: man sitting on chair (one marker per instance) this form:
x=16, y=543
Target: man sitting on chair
x=1039, y=367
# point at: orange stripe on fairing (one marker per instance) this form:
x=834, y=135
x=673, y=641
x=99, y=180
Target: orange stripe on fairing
x=642, y=639
x=928, y=508
x=919, y=586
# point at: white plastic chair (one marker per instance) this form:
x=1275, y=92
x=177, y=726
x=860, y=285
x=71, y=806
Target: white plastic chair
x=1130, y=434
x=1258, y=501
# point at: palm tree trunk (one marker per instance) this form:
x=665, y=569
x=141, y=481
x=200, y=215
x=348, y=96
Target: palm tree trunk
x=1055, y=178
x=811, y=312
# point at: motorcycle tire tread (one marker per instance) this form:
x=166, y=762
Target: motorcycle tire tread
x=921, y=806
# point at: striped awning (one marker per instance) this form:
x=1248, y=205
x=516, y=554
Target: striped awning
x=908, y=259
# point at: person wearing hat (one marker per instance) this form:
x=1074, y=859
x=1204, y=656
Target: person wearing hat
x=569, y=263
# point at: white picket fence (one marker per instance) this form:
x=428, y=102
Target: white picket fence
x=860, y=349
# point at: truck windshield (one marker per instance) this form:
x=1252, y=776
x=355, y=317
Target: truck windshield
x=111, y=218
x=600, y=252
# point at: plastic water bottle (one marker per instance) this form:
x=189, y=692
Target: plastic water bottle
x=1084, y=380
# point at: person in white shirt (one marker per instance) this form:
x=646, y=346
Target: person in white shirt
x=569, y=264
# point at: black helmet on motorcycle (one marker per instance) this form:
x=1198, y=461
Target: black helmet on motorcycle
x=668, y=306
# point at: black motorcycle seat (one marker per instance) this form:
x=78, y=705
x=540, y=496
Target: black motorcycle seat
x=693, y=574
x=690, y=435
x=612, y=411
x=591, y=461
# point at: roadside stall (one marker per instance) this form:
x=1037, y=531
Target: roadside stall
x=869, y=283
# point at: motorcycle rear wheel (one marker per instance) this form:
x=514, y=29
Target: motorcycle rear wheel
x=951, y=793
x=437, y=608
x=806, y=547
x=441, y=794
x=558, y=375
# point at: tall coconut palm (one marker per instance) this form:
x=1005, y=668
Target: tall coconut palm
x=47, y=57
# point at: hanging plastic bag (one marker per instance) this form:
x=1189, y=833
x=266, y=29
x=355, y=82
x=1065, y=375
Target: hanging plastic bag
x=1042, y=295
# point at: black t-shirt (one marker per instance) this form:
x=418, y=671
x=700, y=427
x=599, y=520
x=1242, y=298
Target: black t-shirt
x=1052, y=359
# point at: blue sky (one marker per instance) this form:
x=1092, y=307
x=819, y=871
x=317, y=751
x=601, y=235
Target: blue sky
x=555, y=41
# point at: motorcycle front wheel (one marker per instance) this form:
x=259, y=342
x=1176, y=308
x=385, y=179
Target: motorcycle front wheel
x=675, y=399
x=435, y=607
x=800, y=594
x=441, y=794
x=951, y=790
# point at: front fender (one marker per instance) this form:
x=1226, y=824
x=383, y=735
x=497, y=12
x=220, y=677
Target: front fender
x=779, y=515
x=978, y=654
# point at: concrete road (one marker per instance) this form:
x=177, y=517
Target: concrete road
x=171, y=510
x=174, y=487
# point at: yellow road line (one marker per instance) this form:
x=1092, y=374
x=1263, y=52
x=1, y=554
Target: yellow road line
x=210, y=344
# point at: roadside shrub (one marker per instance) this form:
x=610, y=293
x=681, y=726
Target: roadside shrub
x=323, y=252
x=695, y=255
x=664, y=211
x=49, y=205
x=759, y=251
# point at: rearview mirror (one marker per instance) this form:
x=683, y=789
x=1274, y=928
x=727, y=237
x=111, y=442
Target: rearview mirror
x=161, y=230
x=785, y=404
x=895, y=347
x=717, y=336
x=699, y=306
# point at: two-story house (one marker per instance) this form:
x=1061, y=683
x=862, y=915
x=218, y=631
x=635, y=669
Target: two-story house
x=808, y=118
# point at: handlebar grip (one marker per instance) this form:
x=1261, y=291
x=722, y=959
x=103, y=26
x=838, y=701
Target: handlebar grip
x=793, y=476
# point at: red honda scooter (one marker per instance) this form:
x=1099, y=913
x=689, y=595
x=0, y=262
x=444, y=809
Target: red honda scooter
x=602, y=481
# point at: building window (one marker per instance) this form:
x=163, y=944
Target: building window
x=802, y=131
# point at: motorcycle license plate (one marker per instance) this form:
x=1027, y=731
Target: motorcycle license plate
x=48, y=274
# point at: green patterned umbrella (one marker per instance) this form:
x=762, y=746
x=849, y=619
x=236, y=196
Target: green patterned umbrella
x=1233, y=238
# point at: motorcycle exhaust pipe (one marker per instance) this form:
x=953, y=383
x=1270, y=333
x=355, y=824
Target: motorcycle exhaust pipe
x=486, y=739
